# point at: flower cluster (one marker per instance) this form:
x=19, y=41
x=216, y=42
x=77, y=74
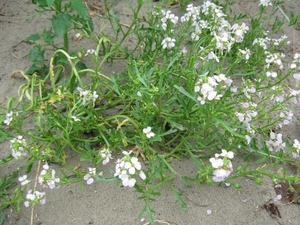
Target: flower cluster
x=47, y=177
x=246, y=117
x=296, y=145
x=127, y=168
x=89, y=177
x=90, y=51
x=106, y=155
x=268, y=42
x=295, y=64
x=9, y=117
x=18, y=146
x=23, y=180
x=168, y=43
x=34, y=197
x=223, y=166
x=265, y=3
x=207, y=87
x=275, y=144
x=210, y=16
x=168, y=16
x=246, y=53
x=87, y=95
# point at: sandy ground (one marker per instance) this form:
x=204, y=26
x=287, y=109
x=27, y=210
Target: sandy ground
x=105, y=203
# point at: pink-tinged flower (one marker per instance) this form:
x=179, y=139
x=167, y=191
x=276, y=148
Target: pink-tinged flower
x=23, y=180
x=89, y=177
x=34, y=197
x=297, y=76
x=216, y=163
x=9, y=117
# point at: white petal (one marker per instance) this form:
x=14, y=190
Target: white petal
x=142, y=175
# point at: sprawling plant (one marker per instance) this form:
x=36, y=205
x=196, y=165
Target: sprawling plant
x=202, y=85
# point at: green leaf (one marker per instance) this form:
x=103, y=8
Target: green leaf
x=50, y=2
x=177, y=125
x=226, y=126
x=257, y=180
x=4, y=135
x=248, y=156
x=183, y=91
x=262, y=159
x=41, y=3
x=235, y=185
x=36, y=54
x=80, y=8
x=5, y=160
x=48, y=36
x=61, y=24
x=33, y=37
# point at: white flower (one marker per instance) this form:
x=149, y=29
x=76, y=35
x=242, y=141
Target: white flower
x=296, y=144
x=265, y=2
x=277, y=198
x=297, y=76
x=226, y=154
x=106, y=155
x=89, y=176
x=127, y=181
x=132, y=165
x=142, y=175
x=33, y=197
x=23, y=180
x=272, y=74
x=18, y=146
x=87, y=95
x=89, y=179
x=75, y=118
x=216, y=163
x=90, y=51
x=168, y=43
x=211, y=55
x=47, y=178
x=246, y=53
x=8, y=118
x=148, y=132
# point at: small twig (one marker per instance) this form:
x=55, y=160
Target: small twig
x=35, y=184
x=160, y=221
x=294, y=41
x=14, y=55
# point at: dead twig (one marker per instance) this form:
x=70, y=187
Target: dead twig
x=34, y=188
x=161, y=221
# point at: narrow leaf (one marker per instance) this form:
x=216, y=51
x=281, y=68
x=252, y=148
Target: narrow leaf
x=226, y=126
x=183, y=91
x=33, y=37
